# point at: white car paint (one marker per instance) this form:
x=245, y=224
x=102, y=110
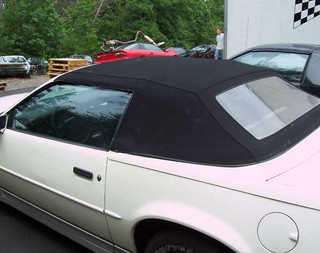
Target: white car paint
x=201, y=197
x=135, y=188
x=7, y=101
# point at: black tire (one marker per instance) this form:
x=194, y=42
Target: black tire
x=175, y=242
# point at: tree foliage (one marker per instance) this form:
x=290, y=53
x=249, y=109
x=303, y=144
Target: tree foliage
x=61, y=28
x=31, y=28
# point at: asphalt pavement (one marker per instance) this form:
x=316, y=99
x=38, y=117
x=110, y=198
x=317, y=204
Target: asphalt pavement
x=20, y=233
x=17, y=91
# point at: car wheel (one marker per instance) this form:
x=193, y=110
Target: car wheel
x=174, y=242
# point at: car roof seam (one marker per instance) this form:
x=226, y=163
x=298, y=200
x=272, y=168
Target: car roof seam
x=144, y=79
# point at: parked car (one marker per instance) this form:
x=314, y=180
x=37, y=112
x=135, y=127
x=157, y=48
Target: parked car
x=132, y=51
x=298, y=63
x=86, y=57
x=14, y=65
x=38, y=65
x=178, y=50
x=202, y=51
x=167, y=154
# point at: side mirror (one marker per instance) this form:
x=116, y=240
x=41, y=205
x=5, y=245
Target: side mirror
x=3, y=123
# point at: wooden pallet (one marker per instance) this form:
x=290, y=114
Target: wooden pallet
x=59, y=66
x=2, y=86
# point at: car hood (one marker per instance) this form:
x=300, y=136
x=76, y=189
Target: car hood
x=7, y=101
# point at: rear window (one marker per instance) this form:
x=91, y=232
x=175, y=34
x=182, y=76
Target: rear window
x=265, y=106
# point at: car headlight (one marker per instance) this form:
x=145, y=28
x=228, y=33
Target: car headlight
x=25, y=67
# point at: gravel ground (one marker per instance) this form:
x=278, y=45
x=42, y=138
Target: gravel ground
x=14, y=83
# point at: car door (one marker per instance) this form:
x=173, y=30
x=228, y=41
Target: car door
x=54, y=152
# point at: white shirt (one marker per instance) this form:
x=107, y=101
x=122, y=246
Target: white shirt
x=220, y=41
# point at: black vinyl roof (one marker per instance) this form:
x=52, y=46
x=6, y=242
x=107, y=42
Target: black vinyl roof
x=194, y=75
x=173, y=113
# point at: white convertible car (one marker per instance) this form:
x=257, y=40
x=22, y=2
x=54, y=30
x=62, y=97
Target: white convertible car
x=163, y=155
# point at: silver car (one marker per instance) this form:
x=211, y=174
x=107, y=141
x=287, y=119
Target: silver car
x=14, y=65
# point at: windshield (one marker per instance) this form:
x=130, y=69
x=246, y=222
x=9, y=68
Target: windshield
x=289, y=65
x=132, y=46
x=265, y=106
x=12, y=59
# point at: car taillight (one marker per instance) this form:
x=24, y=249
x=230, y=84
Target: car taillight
x=121, y=54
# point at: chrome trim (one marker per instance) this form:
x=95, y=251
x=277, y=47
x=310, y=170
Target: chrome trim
x=120, y=250
x=112, y=214
x=81, y=202
x=73, y=232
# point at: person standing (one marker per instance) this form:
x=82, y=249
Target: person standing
x=220, y=45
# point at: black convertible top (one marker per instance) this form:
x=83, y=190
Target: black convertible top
x=192, y=75
x=173, y=113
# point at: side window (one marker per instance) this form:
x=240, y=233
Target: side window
x=76, y=113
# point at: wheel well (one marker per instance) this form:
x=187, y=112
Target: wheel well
x=146, y=229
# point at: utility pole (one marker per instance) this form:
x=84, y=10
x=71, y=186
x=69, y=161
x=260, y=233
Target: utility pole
x=97, y=14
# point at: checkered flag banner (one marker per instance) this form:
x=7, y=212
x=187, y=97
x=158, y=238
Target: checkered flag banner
x=305, y=10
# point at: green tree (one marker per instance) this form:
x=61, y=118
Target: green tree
x=185, y=22
x=81, y=35
x=122, y=19
x=65, y=27
x=177, y=22
x=34, y=27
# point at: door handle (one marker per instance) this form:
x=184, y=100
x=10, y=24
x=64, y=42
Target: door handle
x=82, y=173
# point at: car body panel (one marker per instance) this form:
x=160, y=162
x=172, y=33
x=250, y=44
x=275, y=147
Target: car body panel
x=138, y=50
x=75, y=233
x=226, y=203
x=159, y=198
x=43, y=182
x=7, y=101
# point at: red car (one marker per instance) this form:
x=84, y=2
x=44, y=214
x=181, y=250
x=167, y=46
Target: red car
x=132, y=51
